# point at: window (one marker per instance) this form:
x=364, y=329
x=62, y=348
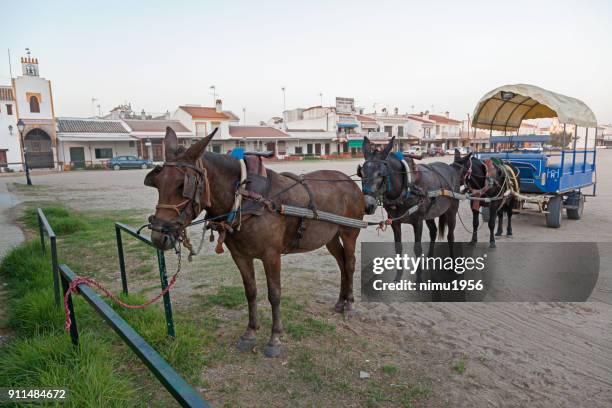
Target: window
x=104, y=153
x=309, y=148
x=400, y=131
x=131, y=144
x=298, y=149
x=9, y=109
x=216, y=148
x=34, y=105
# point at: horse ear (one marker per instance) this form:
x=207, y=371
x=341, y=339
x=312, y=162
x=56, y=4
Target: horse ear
x=367, y=148
x=388, y=147
x=457, y=156
x=170, y=144
x=359, y=174
x=196, y=150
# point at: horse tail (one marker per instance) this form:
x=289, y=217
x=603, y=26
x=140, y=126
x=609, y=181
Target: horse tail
x=441, y=226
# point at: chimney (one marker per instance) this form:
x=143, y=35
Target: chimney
x=218, y=105
x=396, y=111
x=426, y=115
x=447, y=113
x=361, y=111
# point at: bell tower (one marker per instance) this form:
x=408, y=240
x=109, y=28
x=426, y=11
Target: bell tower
x=29, y=65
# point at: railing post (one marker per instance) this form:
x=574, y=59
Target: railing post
x=124, y=283
x=161, y=260
x=55, y=270
x=41, y=231
x=74, y=333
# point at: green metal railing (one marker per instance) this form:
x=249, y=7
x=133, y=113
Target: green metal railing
x=44, y=226
x=161, y=262
x=182, y=392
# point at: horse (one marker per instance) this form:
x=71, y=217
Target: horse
x=194, y=180
x=491, y=182
x=404, y=194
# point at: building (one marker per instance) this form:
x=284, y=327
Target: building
x=259, y=139
x=447, y=131
x=604, y=136
x=201, y=120
x=10, y=148
x=86, y=142
x=28, y=98
x=149, y=134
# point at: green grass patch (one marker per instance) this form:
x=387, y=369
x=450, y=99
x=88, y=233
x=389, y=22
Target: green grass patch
x=389, y=369
x=230, y=297
x=459, y=366
x=414, y=393
x=62, y=220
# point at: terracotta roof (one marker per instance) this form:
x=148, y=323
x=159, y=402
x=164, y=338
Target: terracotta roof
x=420, y=119
x=68, y=125
x=155, y=125
x=441, y=119
x=6, y=93
x=257, y=132
x=204, y=112
x=363, y=118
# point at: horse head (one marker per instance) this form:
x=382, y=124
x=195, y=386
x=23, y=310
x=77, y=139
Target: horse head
x=376, y=173
x=183, y=191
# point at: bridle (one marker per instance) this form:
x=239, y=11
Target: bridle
x=386, y=175
x=196, y=191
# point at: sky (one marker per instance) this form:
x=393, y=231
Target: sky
x=423, y=55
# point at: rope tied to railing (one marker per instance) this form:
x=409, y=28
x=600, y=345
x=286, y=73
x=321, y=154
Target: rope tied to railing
x=83, y=280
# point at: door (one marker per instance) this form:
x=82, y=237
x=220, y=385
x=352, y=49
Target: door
x=327, y=149
x=38, y=149
x=77, y=157
x=158, y=152
x=271, y=147
x=3, y=158
x=318, y=149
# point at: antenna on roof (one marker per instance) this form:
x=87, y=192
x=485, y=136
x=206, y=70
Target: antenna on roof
x=9, y=60
x=28, y=53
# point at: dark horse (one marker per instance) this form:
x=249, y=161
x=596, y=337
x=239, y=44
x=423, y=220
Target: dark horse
x=385, y=179
x=265, y=236
x=487, y=181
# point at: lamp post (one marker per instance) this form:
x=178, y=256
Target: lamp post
x=21, y=128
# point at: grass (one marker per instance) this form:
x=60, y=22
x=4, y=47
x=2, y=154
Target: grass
x=102, y=371
x=459, y=366
x=389, y=369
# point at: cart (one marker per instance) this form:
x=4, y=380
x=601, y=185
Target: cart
x=549, y=180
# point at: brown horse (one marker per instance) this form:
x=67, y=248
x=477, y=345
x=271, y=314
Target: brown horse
x=215, y=179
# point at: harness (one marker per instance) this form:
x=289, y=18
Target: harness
x=408, y=181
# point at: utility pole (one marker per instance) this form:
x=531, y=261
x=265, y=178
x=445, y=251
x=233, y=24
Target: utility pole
x=284, y=98
x=244, y=116
x=321, y=96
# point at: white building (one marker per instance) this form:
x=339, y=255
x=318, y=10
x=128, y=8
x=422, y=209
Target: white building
x=30, y=99
x=149, y=135
x=10, y=148
x=89, y=142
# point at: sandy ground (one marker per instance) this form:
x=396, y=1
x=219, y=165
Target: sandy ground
x=518, y=354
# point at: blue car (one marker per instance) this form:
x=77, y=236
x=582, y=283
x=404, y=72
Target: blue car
x=129, y=162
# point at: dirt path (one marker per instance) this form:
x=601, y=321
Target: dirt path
x=515, y=354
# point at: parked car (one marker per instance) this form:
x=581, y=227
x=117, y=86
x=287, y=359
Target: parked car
x=435, y=151
x=462, y=149
x=417, y=150
x=129, y=162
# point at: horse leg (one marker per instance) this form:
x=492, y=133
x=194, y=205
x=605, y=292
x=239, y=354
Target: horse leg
x=246, y=342
x=451, y=223
x=396, y=226
x=349, y=242
x=509, y=210
x=335, y=248
x=500, y=221
x=433, y=232
x=475, y=220
x=272, y=266
x=492, y=212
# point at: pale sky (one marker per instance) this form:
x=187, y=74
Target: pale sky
x=445, y=54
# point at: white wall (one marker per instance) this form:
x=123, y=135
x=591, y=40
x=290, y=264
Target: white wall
x=24, y=84
x=8, y=141
x=119, y=149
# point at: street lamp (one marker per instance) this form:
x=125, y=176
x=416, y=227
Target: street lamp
x=21, y=128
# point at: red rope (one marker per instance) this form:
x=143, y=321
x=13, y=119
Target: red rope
x=90, y=282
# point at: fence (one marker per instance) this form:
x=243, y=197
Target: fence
x=161, y=262
x=182, y=392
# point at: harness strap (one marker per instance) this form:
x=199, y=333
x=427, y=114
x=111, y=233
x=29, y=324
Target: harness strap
x=176, y=207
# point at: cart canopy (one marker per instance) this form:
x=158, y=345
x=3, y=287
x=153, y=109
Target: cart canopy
x=504, y=108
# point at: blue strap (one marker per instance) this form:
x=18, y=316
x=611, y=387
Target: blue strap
x=238, y=153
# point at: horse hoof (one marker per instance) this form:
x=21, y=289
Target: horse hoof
x=272, y=351
x=245, y=345
x=492, y=245
x=498, y=234
x=509, y=234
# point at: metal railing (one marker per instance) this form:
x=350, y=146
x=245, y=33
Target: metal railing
x=182, y=392
x=161, y=262
x=44, y=226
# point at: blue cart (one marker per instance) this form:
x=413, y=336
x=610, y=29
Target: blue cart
x=549, y=180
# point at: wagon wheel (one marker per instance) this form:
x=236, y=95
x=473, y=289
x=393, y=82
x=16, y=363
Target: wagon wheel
x=554, y=208
x=575, y=199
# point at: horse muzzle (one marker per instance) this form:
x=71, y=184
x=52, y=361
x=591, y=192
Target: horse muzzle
x=163, y=241
x=370, y=204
